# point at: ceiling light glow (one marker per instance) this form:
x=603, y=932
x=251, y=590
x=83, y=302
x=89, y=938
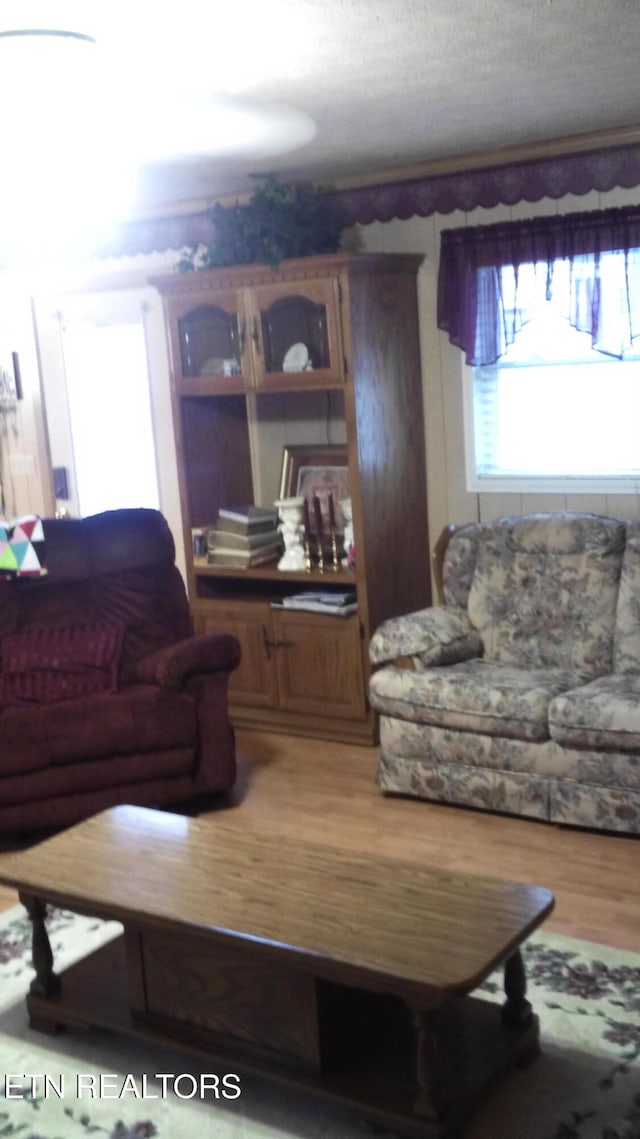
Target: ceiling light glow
x=61, y=150
x=195, y=125
x=88, y=114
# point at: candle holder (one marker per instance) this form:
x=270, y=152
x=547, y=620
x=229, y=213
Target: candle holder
x=335, y=561
x=306, y=546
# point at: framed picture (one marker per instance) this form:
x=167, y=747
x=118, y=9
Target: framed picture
x=317, y=469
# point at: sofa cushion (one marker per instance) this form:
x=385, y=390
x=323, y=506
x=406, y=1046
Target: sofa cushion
x=459, y=564
x=435, y=636
x=626, y=645
x=22, y=547
x=490, y=697
x=82, y=549
x=116, y=567
x=151, y=604
x=544, y=591
x=139, y=719
x=604, y=714
x=43, y=665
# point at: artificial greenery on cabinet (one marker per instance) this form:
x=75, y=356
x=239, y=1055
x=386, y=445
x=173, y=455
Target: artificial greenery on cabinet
x=281, y=220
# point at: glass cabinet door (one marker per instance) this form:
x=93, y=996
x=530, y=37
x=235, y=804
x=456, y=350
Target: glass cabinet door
x=295, y=331
x=211, y=344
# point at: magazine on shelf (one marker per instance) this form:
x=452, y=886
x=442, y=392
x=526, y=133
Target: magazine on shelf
x=337, y=602
x=317, y=607
x=335, y=598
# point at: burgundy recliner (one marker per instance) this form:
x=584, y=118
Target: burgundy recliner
x=106, y=696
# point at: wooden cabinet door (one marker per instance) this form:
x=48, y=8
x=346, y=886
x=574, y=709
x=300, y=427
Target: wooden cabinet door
x=291, y=660
x=210, y=348
x=296, y=334
x=255, y=681
x=319, y=664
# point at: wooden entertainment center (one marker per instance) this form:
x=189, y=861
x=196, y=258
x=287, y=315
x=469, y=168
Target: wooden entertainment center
x=236, y=407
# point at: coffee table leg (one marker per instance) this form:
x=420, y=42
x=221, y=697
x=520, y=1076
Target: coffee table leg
x=517, y=1009
x=46, y=982
x=429, y=1102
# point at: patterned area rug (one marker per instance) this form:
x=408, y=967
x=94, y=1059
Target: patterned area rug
x=586, y=1084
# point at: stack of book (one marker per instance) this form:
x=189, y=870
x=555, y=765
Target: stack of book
x=339, y=604
x=244, y=536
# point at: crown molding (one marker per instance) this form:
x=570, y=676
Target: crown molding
x=500, y=156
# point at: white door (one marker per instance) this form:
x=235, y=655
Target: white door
x=107, y=403
x=109, y=407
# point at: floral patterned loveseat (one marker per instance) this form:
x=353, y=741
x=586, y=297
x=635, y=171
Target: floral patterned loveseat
x=521, y=692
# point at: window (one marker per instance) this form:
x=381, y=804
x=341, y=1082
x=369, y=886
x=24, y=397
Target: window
x=548, y=313
x=547, y=415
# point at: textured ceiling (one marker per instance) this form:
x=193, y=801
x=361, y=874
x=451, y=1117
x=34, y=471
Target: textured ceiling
x=386, y=82
x=391, y=82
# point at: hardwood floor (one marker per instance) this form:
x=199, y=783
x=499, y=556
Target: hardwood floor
x=326, y=792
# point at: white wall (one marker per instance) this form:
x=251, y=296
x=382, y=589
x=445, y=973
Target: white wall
x=442, y=368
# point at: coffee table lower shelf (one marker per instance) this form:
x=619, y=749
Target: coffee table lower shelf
x=368, y=1044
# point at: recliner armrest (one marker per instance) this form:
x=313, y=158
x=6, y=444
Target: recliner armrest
x=169, y=667
x=439, y=635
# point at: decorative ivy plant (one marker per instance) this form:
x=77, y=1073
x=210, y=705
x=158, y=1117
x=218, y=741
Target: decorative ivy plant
x=280, y=220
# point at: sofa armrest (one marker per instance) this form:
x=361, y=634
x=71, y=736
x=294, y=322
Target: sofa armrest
x=439, y=635
x=169, y=667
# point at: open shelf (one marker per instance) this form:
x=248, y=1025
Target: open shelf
x=271, y=572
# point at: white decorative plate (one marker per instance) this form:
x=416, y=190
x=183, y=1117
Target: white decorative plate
x=296, y=358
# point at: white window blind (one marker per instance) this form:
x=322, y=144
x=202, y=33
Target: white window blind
x=552, y=413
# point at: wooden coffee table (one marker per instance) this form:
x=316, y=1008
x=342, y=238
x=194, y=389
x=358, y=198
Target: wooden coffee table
x=348, y=974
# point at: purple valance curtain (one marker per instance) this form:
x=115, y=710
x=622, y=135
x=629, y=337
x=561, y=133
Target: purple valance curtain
x=492, y=276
